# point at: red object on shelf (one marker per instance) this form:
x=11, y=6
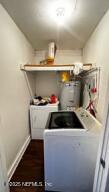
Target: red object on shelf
x=53, y=98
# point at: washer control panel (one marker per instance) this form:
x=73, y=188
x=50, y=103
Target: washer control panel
x=88, y=121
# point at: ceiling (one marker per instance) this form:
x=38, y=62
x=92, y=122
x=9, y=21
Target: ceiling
x=31, y=17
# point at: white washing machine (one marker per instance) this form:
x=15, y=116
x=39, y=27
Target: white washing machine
x=70, y=151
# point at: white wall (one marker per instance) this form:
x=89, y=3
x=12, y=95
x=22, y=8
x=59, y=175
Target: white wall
x=48, y=83
x=62, y=56
x=96, y=51
x=14, y=94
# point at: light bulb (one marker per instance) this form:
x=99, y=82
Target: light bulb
x=60, y=11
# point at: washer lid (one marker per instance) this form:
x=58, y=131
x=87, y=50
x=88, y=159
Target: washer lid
x=64, y=120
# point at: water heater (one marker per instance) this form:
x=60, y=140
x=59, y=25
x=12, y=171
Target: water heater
x=70, y=95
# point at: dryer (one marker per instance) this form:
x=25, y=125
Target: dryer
x=70, y=151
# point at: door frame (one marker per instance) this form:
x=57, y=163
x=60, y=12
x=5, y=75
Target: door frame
x=102, y=165
x=3, y=162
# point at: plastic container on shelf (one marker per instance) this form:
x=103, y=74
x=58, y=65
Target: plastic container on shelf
x=51, y=53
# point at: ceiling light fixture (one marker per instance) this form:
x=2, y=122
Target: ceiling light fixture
x=60, y=11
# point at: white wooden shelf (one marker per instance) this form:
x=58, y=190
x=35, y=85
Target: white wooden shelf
x=47, y=67
x=34, y=67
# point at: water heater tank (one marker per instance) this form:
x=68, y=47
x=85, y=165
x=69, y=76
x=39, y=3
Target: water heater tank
x=70, y=95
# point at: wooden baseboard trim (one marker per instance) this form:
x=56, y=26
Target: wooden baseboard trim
x=18, y=158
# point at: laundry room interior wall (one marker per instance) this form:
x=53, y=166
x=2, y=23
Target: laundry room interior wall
x=47, y=83
x=96, y=51
x=61, y=57
x=14, y=93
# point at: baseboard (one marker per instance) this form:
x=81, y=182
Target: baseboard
x=18, y=158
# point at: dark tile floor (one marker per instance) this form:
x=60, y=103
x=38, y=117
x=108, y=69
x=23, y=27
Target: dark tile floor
x=30, y=169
